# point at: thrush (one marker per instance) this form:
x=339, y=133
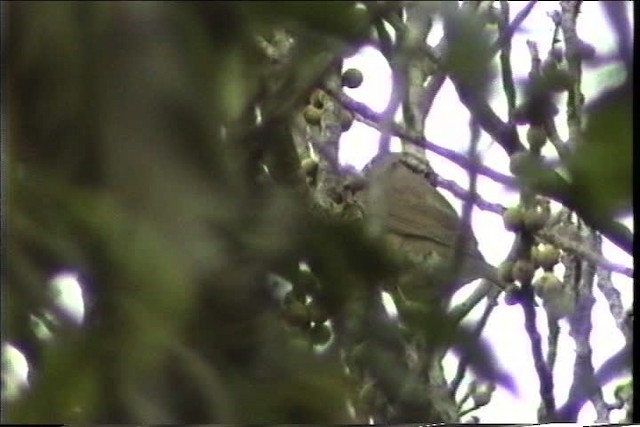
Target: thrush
x=420, y=223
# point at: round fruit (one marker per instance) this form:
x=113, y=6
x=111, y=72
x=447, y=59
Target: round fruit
x=312, y=115
x=320, y=333
x=352, y=78
x=535, y=219
x=623, y=392
x=536, y=137
x=346, y=120
x=547, y=257
x=523, y=271
x=547, y=284
x=519, y=162
x=513, y=219
x=482, y=393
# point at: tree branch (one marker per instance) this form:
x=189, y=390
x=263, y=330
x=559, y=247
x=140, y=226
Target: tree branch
x=366, y=115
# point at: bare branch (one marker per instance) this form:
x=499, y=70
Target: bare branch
x=492, y=297
x=515, y=24
x=505, y=58
x=582, y=274
x=364, y=114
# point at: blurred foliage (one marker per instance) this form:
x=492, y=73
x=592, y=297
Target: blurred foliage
x=135, y=158
x=606, y=186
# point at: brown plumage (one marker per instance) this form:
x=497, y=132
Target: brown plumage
x=419, y=221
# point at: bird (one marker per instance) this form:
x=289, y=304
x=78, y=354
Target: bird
x=418, y=222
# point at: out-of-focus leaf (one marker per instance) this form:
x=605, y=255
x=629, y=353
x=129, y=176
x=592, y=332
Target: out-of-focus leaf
x=469, y=49
x=480, y=357
x=342, y=20
x=345, y=260
x=602, y=166
x=68, y=380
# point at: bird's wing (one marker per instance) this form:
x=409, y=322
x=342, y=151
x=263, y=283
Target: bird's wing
x=416, y=208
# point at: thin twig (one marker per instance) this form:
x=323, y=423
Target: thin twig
x=477, y=331
x=505, y=59
x=544, y=374
x=584, y=381
x=515, y=24
x=366, y=115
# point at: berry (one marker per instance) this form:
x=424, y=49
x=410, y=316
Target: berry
x=535, y=219
x=513, y=219
x=547, y=285
x=352, y=78
x=520, y=162
x=481, y=393
x=320, y=333
x=312, y=115
x=547, y=257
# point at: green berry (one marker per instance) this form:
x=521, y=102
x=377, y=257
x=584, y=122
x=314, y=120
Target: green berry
x=547, y=257
x=520, y=162
x=320, y=333
x=352, y=78
x=513, y=219
x=547, y=285
x=312, y=115
x=535, y=219
x=481, y=393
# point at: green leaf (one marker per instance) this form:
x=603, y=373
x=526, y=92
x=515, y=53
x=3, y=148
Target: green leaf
x=602, y=166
